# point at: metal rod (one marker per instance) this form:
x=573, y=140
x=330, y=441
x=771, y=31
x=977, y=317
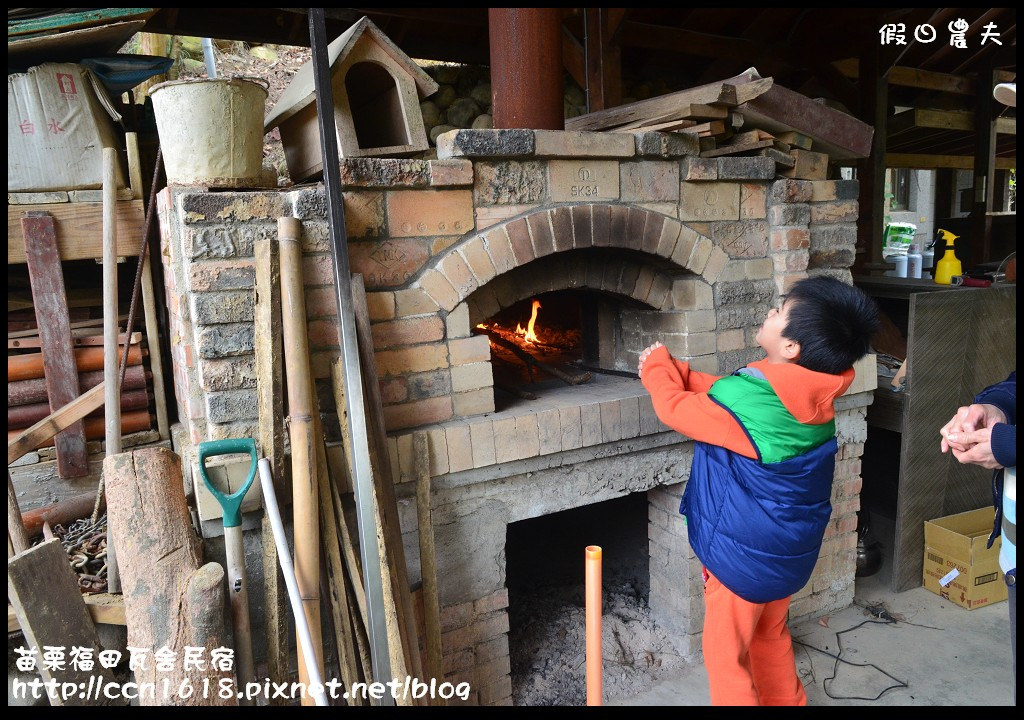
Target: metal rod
x=354, y=400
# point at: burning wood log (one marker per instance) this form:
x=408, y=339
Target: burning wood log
x=531, y=361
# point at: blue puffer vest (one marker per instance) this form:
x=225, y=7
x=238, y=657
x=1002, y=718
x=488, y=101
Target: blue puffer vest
x=757, y=527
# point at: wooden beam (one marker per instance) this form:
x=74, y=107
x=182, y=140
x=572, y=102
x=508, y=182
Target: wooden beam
x=914, y=77
x=573, y=57
x=31, y=438
x=79, y=228
x=593, y=53
x=945, y=120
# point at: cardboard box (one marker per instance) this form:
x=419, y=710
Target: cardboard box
x=957, y=565
x=59, y=119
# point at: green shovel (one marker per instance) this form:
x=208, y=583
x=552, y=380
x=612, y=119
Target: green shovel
x=232, y=511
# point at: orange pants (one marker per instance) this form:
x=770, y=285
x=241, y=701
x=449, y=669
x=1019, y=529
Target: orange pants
x=748, y=652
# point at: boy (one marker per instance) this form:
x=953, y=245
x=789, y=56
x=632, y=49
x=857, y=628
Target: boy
x=757, y=501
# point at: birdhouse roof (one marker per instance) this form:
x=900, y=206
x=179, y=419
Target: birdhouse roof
x=302, y=90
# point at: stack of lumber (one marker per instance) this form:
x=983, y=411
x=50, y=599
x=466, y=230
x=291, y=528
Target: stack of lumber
x=743, y=116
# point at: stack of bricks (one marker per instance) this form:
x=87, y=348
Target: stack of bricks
x=474, y=637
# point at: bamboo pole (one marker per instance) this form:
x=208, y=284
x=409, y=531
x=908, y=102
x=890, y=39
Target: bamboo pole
x=111, y=376
x=300, y=411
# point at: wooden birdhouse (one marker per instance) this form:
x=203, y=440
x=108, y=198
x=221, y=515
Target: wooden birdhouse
x=377, y=92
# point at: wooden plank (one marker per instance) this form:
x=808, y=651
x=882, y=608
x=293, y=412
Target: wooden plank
x=77, y=341
x=723, y=93
x=46, y=428
x=47, y=278
x=736, y=149
x=77, y=325
x=389, y=527
x=933, y=484
x=715, y=127
x=37, y=198
x=79, y=229
x=428, y=564
x=48, y=604
x=808, y=165
x=341, y=615
x=270, y=411
x=782, y=159
x=104, y=608
x=780, y=110
x=914, y=77
x=795, y=139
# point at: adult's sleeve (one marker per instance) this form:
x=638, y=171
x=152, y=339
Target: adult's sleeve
x=1004, y=444
x=1004, y=396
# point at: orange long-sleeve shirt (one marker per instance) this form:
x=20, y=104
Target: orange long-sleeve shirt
x=681, y=400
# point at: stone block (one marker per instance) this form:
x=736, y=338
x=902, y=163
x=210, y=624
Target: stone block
x=666, y=144
x=649, y=181
x=745, y=238
x=583, y=180
x=509, y=183
x=418, y=213
x=487, y=143
x=705, y=202
x=574, y=144
x=746, y=168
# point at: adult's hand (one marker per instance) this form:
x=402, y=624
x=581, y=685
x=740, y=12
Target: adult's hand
x=967, y=420
x=644, y=355
x=979, y=448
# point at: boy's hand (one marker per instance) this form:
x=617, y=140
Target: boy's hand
x=644, y=355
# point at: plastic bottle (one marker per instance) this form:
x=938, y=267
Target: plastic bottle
x=914, y=260
x=900, y=261
x=949, y=265
x=928, y=261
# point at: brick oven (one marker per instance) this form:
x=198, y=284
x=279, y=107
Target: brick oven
x=637, y=235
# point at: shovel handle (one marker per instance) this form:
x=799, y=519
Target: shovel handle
x=231, y=504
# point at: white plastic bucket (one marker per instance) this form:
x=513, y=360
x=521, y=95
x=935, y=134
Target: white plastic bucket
x=211, y=130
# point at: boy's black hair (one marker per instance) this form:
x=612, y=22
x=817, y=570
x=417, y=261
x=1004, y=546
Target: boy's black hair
x=833, y=322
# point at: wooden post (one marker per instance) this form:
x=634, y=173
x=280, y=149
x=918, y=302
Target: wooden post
x=300, y=413
x=45, y=595
x=871, y=170
x=428, y=565
x=269, y=392
x=979, y=241
x=171, y=599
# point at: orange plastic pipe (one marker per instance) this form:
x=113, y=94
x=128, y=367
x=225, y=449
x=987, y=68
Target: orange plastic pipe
x=593, y=593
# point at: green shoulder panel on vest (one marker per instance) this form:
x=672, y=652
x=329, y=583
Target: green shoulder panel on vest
x=776, y=434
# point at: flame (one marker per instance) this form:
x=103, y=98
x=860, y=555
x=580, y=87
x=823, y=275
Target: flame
x=528, y=334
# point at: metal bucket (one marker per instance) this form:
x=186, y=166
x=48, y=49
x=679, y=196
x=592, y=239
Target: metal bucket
x=211, y=130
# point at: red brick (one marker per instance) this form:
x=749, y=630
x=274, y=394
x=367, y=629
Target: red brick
x=519, y=236
x=790, y=238
x=582, y=226
x=540, y=230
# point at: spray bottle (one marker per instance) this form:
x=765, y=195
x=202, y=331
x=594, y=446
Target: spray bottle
x=949, y=265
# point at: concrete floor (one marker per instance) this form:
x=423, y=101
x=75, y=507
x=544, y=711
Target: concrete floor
x=945, y=655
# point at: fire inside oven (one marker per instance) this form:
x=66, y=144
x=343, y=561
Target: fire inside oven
x=550, y=340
